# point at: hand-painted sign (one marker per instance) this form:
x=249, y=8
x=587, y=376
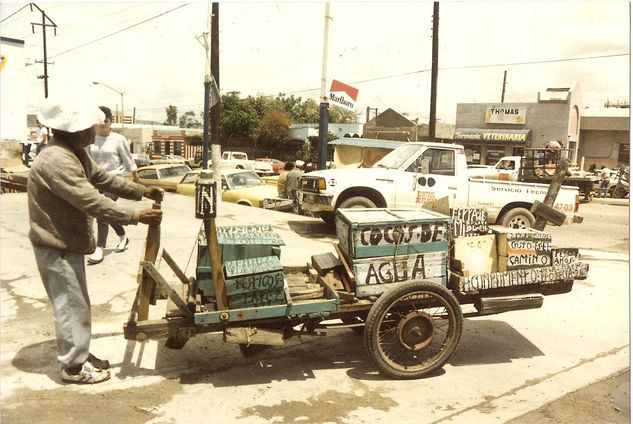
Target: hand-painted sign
x=343, y=95
x=505, y=115
x=395, y=269
x=468, y=222
x=520, y=277
x=206, y=206
x=490, y=136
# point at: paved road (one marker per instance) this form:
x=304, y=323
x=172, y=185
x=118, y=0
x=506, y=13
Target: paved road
x=506, y=365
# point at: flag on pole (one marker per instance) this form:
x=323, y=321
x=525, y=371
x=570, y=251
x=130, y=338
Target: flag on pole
x=214, y=92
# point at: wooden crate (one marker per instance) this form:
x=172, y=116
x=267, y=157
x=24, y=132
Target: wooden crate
x=374, y=276
x=236, y=242
x=365, y=233
x=254, y=282
x=476, y=255
x=522, y=248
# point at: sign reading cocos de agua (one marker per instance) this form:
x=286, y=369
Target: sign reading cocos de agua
x=505, y=115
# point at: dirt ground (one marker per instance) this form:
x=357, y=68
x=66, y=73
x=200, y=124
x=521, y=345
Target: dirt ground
x=607, y=401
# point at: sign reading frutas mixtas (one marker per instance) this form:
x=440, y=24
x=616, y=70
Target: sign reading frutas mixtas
x=343, y=95
x=505, y=115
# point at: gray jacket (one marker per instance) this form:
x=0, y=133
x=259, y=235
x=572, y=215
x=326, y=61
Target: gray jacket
x=63, y=198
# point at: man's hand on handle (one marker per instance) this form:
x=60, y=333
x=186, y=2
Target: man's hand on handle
x=151, y=216
x=154, y=193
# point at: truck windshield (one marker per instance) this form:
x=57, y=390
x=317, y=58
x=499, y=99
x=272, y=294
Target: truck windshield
x=398, y=156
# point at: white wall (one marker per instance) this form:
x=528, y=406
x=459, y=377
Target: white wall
x=13, y=91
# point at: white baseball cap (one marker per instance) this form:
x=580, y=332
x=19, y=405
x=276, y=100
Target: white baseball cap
x=69, y=114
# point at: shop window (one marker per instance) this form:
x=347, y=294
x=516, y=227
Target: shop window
x=473, y=154
x=178, y=149
x=494, y=153
x=157, y=150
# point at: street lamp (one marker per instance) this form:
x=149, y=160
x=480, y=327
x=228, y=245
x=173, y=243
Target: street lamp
x=121, y=93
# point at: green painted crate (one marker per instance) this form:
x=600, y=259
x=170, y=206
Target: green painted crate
x=366, y=233
x=235, y=242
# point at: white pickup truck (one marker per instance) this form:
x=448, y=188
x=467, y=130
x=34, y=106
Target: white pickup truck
x=416, y=173
x=234, y=160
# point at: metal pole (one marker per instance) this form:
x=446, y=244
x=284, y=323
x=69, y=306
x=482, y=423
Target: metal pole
x=324, y=117
x=207, y=90
x=122, y=115
x=436, y=23
x=503, y=90
x=215, y=109
x=45, y=55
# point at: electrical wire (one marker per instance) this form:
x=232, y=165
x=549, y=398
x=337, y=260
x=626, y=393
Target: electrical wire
x=14, y=12
x=448, y=68
x=119, y=31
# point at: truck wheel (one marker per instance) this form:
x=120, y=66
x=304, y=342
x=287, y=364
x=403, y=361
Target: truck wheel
x=518, y=218
x=413, y=329
x=357, y=202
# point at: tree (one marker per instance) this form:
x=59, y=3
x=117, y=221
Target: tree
x=188, y=120
x=239, y=117
x=340, y=115
x=273, y=130
x=172, y=115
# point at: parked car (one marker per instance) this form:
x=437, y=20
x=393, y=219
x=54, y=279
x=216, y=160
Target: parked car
x=166, y=176
x=239, y=186
x=268, y=166
x=169, y=159
x=140, y=159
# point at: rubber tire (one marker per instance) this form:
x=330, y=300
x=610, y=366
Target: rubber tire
x=515, y=213
x=385, y=301
x=357, y=202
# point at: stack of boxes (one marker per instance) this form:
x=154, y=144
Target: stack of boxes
x=385, y=247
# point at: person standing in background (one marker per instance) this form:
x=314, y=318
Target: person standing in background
x=111, y=152
x=41, y=138
x=281, y=182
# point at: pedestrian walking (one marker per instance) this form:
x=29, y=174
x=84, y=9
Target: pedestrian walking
x=111, y=152
x=41, y=138
x=62, y=199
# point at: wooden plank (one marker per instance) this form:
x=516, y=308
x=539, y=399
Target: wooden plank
x=564, y=256
x=312, y=274
x=552, y=191
x=255, y=282
x=343, y=260
x=394, y=269
x=548, y=213
x=152, y=243
x=251, y=266
x=496, y=305
x=171, y=308
x=341, y=274
x=476, y=254
x=324, y=262
x=217, y=271
x=467, y=222
x=153, y=273
x=249, y=234
x=334, y=281
x=520, y=277
x=257, y=298
x=174, y=267
x=254, y=335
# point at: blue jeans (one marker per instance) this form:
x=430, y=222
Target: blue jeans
x=64, y=277
x=26, y=149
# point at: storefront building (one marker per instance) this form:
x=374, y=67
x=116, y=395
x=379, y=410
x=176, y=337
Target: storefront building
x=489, y=131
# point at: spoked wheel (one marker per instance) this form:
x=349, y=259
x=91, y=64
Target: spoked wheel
x=413, y=329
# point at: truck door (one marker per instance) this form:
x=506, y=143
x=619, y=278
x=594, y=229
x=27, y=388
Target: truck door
x=434, y=175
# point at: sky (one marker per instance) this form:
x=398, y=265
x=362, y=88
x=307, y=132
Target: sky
x=149, y=51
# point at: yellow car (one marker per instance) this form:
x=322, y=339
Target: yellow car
x=165, y=176
x=240, y=186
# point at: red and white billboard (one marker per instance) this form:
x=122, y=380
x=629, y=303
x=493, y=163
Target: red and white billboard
x=343, y=95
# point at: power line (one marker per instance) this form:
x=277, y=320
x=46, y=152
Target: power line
x=119, y=31
x=448, y=68
x=14, y=12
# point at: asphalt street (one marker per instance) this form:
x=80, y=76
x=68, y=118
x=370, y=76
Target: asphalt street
x=505, y=366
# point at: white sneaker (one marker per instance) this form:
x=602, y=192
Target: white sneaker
x=86, y=375
x=122, y=245
x=96, y=257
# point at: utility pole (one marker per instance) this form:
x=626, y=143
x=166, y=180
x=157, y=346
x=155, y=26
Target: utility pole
x=324, y=114
x=44, y=25
x=503, y=90
x=436, y=23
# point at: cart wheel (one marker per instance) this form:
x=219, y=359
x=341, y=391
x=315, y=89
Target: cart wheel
x=413, y=329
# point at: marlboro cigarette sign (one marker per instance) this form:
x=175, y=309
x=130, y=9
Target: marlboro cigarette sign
x=343, y=95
